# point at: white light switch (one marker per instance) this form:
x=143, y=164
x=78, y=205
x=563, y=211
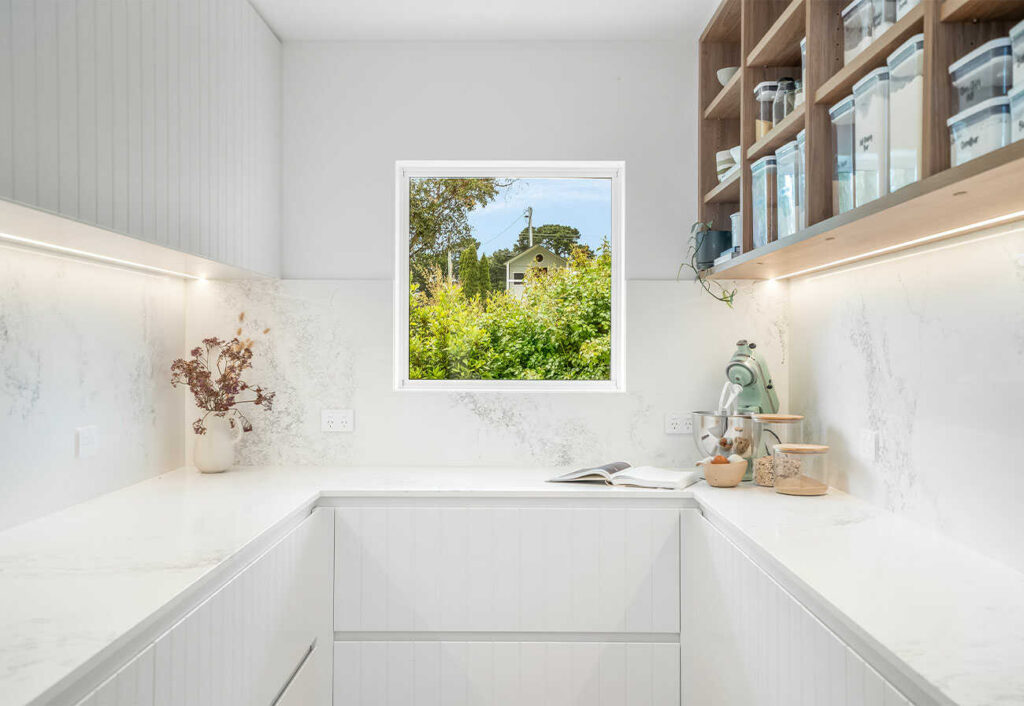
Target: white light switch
x=337, y=420
x=868, y=444
x=87, y=441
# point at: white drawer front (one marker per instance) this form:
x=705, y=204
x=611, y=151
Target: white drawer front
x=505, y=673
x=507, y=569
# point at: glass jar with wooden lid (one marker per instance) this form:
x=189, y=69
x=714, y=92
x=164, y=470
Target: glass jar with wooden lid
x=798, y=468
x=774, y=429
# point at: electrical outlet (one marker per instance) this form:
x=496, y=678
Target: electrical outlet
x=337, y=420
x=87, y=441
x=678, y=423
x=868, y=445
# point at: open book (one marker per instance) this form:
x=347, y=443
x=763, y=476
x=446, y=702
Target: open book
x=621, y=473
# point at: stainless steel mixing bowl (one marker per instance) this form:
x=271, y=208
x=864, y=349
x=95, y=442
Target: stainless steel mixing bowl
x=726, y=434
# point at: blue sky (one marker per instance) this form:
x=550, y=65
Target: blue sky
x=585, y=204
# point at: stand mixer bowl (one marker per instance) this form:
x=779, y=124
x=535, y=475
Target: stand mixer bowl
x=726, y=434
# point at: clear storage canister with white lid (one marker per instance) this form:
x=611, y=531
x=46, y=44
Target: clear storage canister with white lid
x=762, y=184
x=1017, y=51
x=906, y=112
x=774, y=429
x=786, y=186
x=871, y=137
x=979, y=130
x=764, y=94
x=857, y=20
x=799, y=468
x=985, y=73
x=883, y=16
x=736, y=223
x=841, y=115
x=803, y=71
x=905, y=6
x=1017, y=114
x=801, y=179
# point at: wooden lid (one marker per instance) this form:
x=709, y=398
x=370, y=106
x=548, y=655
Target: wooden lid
x=778, y=418
x=801, y=448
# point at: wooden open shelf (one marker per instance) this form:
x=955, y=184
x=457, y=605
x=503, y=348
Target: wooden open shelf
x=780, y=45
x=874, y=56
x=727, y=103
x=982, y=10
x=779, y=135
x=727, y=191
x=951, y=203
x=724, y=25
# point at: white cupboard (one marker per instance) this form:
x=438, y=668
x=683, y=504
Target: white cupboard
x=159, y=119
x=132, y=685
x=746, y=640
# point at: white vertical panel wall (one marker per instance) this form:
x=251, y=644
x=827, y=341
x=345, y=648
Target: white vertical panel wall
x=155, y=118
x=612, y=570
x=508, y=673
x=746, y=640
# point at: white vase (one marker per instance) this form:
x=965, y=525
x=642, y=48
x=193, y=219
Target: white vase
x=215, y=450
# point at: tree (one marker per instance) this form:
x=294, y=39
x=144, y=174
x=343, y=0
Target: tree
x=483, y=276
x=558, y=239
x=439, y=218
x=498, y=260
x=468, y=269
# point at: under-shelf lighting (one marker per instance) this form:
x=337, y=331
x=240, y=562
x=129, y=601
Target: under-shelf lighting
x=1016, y=215
x=93, y=256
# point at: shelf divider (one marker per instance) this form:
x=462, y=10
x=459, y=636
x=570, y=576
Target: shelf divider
x=780, y=45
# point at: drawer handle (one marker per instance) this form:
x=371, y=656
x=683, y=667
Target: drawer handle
x=295, y=672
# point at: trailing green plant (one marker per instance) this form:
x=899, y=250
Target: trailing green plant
x=699, y=231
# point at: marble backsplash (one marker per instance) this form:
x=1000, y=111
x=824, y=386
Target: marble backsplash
x=330, y=346
x=926, y=350
x=84, y=344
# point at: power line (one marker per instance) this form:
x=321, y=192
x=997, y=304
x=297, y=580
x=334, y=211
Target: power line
x=521, y=215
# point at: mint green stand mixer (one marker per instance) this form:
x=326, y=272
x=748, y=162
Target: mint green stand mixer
x=748, y=390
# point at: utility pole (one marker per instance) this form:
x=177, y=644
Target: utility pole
x=449, y=266
x=529, y=222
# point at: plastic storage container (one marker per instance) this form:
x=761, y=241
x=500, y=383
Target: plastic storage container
x=803, y=72
x=979, y=130
x=871, y=137
x=883, y=16
x=764, y=94
x=857, y=19
x=762, y=184
x=985, y=73
x=775, y=429
x=797, y=468
x=1017, y=114
x=906, y=112
x=842, y=115
x=785, y=100
x=801, y=179
x=1017, y=50
x=786, y=204
x=736, y=223
x=905, y=6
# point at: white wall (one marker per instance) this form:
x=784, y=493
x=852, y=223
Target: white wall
x=84, y=344
x=927, y=350
x=352, y=109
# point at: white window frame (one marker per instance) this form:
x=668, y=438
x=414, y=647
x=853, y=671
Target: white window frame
x=405, y=170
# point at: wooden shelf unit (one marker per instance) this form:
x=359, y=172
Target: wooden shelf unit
x=763, y=40
x=727, y=103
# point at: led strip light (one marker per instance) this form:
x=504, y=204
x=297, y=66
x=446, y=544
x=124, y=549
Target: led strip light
x=93, y=256
x=1016, y=215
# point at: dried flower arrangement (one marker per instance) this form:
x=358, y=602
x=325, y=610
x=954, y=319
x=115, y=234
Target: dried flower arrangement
x=214, y=375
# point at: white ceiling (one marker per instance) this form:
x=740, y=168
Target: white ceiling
x=484, y=20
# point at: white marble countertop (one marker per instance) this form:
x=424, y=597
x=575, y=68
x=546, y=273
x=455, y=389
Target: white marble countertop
x=75, y=583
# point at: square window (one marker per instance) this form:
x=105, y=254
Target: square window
x=509, y=276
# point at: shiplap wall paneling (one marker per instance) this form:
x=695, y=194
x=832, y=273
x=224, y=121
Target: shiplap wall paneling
x=507, y=673
x=747, y=640
x=507, y=569
x=242, y=644
x=156, y=118
x=132, y=685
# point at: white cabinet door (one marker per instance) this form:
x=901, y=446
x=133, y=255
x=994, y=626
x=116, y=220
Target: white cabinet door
x=132, y=685
x=244, y=644
x=157, y=119
x=505, y=673
x=745, y=640
x=507, y=569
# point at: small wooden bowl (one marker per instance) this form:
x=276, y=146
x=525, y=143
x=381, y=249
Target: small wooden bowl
x=724, y=475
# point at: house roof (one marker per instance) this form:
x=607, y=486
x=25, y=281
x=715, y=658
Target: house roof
x=530, y=253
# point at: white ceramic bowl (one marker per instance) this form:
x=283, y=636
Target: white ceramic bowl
x=735, y=152
x=727, y=73
x=724, y=158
